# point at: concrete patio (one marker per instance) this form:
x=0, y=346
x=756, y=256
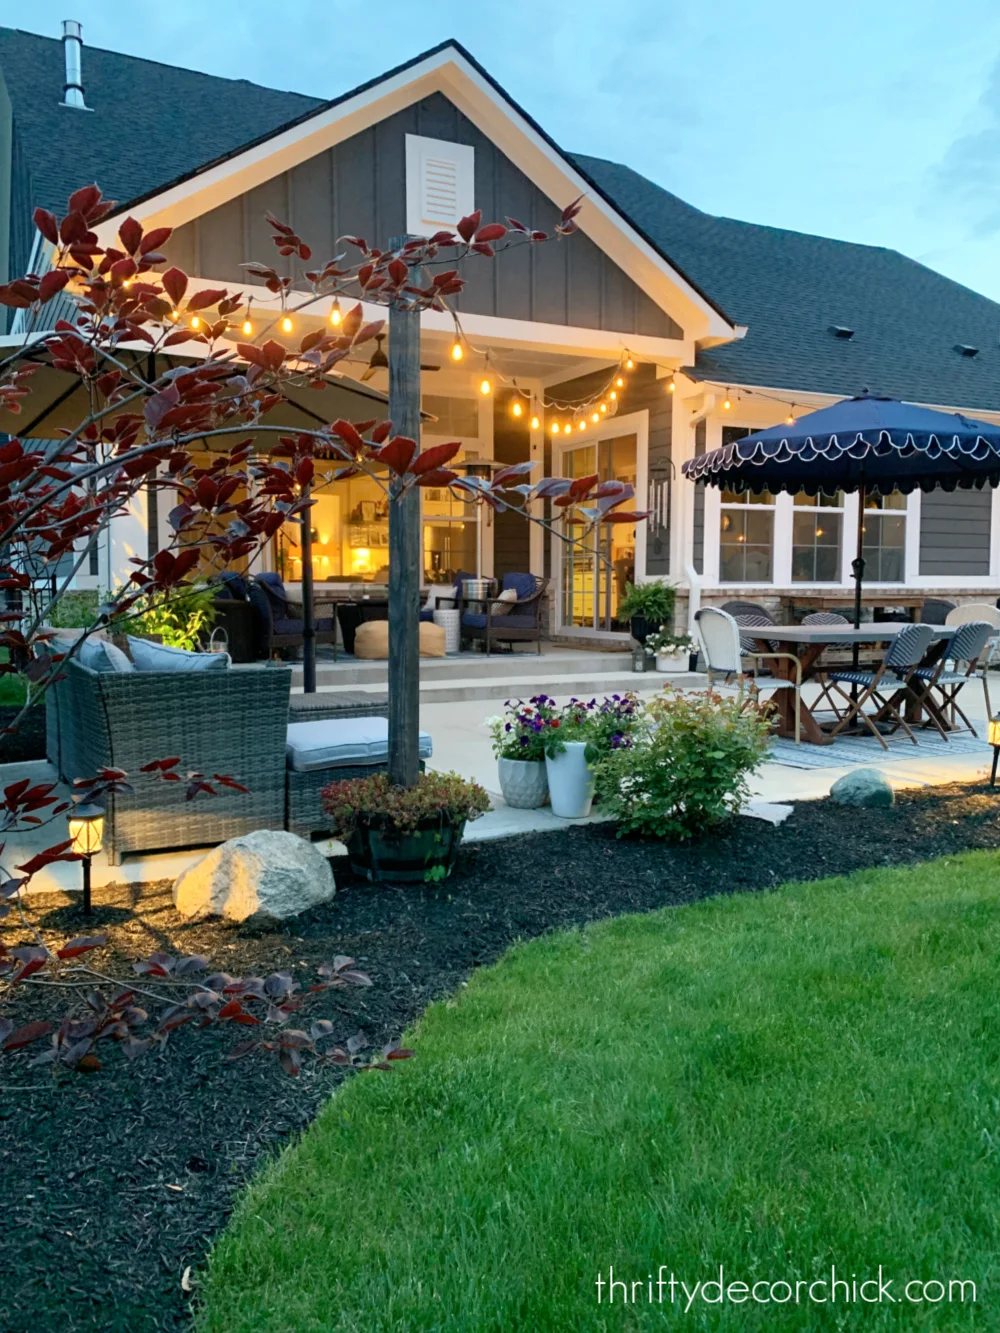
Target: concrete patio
x=462, y=744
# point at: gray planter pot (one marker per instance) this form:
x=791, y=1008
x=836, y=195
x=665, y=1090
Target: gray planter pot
x=523, y=782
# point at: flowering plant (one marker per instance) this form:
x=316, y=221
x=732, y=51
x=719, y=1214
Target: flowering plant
x=519, y=732
x=605, y=726
x=666, y=641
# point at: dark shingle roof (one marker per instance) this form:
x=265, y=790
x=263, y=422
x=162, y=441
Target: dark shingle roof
x=790, y=288
x=152, y=123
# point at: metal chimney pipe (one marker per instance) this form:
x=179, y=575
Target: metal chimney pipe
x=73, y=47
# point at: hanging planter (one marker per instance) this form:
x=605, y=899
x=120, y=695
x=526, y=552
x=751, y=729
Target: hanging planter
x=403, y=835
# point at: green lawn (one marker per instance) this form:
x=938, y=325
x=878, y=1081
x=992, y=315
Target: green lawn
x=772, y=1083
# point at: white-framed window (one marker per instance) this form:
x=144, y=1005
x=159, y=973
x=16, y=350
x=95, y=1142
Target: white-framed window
x=817, y=538
x=440, y=184
x=884, y=528
x=746, y=537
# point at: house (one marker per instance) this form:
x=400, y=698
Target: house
x=653, y=333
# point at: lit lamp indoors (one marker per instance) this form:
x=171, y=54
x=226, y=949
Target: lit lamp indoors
x=994, y=739
x=86, y=830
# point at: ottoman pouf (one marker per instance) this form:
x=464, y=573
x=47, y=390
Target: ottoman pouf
x=371, y=642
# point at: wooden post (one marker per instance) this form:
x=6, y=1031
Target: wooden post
x=308, y=602
x=404, y=554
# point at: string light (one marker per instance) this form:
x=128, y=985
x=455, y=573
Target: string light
x=582, y=425
x=457, y=351
x=534, y=423
x=516, y=409
x=196, y=321
x=670, y=385
x=629, y=363
x=247, y=327
x=620, y=382
x=727, y=404
x=790, y=419
x=595, y=417
x=485, y=387
x=555, y=428
x=604, y=407
x=568, y=429
x=286, y=324
x=613, y=395
x=335, y=315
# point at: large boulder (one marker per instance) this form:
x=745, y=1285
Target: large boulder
x=265, y=874
x=865, y=787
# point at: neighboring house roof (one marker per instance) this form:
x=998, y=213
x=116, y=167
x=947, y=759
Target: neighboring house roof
x=152, y=123
x=790, y=288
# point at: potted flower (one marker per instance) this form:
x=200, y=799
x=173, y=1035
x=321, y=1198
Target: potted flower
x=400, y=835
x=672, y=651
x=575, y=739
x=518, y=744
x=646, y=605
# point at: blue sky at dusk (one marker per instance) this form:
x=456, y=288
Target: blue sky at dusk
x=875, y=122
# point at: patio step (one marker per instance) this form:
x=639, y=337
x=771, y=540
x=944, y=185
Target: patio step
x=561, y=685
x=348, y=673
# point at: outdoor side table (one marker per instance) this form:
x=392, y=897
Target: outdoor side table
x=451, y=623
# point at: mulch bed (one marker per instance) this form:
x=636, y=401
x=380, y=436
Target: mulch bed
x=117, y=1182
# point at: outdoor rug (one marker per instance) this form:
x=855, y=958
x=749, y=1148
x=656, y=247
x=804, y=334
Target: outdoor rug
x=851, y=751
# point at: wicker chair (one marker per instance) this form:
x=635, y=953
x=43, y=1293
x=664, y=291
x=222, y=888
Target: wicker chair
x=279, y=627
x=231, y=721
x=521, y=624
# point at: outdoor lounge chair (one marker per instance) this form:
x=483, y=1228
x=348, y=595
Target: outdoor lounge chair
x=724, y=656
x=278, y=624
x=521, y=624
x=235, y=616
x=232, y=721
x=948, y=678
x=894, y=672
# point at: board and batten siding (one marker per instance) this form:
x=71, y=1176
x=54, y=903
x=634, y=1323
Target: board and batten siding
x=955, y=531
x=359, y=188
x=698, y=519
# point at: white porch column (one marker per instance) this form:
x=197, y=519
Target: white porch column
x=127, y=537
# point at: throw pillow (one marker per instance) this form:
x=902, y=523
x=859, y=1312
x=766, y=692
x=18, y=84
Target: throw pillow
x=149, y=656
x=101, y=655
x=503, y=604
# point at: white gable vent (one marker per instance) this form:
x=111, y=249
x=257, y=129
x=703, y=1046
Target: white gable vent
x=440, y=184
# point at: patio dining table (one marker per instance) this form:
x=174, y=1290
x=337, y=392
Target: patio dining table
x=807, y=643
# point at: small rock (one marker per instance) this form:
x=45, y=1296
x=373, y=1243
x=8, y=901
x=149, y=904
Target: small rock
x=268, y=874
x=864, y=787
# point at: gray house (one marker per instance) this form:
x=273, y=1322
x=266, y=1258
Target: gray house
x=653, y=333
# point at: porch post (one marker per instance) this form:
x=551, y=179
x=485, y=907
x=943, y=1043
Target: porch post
x=404, y=553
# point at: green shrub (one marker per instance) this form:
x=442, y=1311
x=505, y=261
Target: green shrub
x=76, y=610
x=655, y=600
x=687, y=768
x=180, y=620
x=376, y=801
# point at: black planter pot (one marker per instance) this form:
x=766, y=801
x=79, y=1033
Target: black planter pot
x=640, y=628
x=379, y=852
x=28, y=742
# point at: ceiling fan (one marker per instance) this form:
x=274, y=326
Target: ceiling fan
x=379, y=360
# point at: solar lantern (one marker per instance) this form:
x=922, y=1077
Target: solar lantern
x=86, y=831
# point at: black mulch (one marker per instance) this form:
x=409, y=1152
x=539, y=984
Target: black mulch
x=115, y=1183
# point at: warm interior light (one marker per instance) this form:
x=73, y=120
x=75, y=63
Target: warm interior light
x=534, y=423
x=335, y=315
x=994, y=730
x=484, y=387
x=456, y=351
x=516, y=408
x=286, y=324
x=361, y=560
x=86, y=829
x=247, y=327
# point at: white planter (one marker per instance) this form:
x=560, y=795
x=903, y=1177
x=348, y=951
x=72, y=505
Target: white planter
x=571, y=781
x=673, y=663
x=523, y=782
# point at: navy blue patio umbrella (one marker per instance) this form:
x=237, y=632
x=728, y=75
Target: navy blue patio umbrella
x=869, y=444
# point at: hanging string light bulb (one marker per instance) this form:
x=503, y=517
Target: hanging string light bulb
x=604, y=408
x=534, y=423
x=457, y=351
x=335, y=314
x=286, y=324
x=629, y=363
x=516, y=408
x=671, y=387
x=595, y=417
x=485, y=386
x=555, y=428
x=727, y=404
x=247, y=326
x=196, y=321
x=567, y=429
x=620, y=382
x=790, y=419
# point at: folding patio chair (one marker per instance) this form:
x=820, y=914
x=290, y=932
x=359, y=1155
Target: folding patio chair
x=827, y=618
x=724, y=656
x=948, y=676
x=894, y=672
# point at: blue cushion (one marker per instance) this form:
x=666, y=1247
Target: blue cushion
x=160, y=657
x=231, y=586
x=523, y=584
x=477, y=620
x=100, y=655
x=427, y=615
x=343, y=741
x=283, y=625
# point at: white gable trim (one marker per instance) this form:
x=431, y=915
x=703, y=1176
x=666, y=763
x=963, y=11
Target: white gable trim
x=447, y=72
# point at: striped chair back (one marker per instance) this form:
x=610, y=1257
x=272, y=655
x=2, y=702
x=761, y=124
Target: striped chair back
x=908, y=647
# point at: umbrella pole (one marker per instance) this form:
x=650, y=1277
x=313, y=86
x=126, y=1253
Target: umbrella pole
x=858, y=570
x=308, y=605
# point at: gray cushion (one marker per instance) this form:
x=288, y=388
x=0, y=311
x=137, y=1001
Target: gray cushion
x=160, y=657
x=102, y=655
x=342, y=742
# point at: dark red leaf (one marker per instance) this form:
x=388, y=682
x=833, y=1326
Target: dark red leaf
x=397, y=454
